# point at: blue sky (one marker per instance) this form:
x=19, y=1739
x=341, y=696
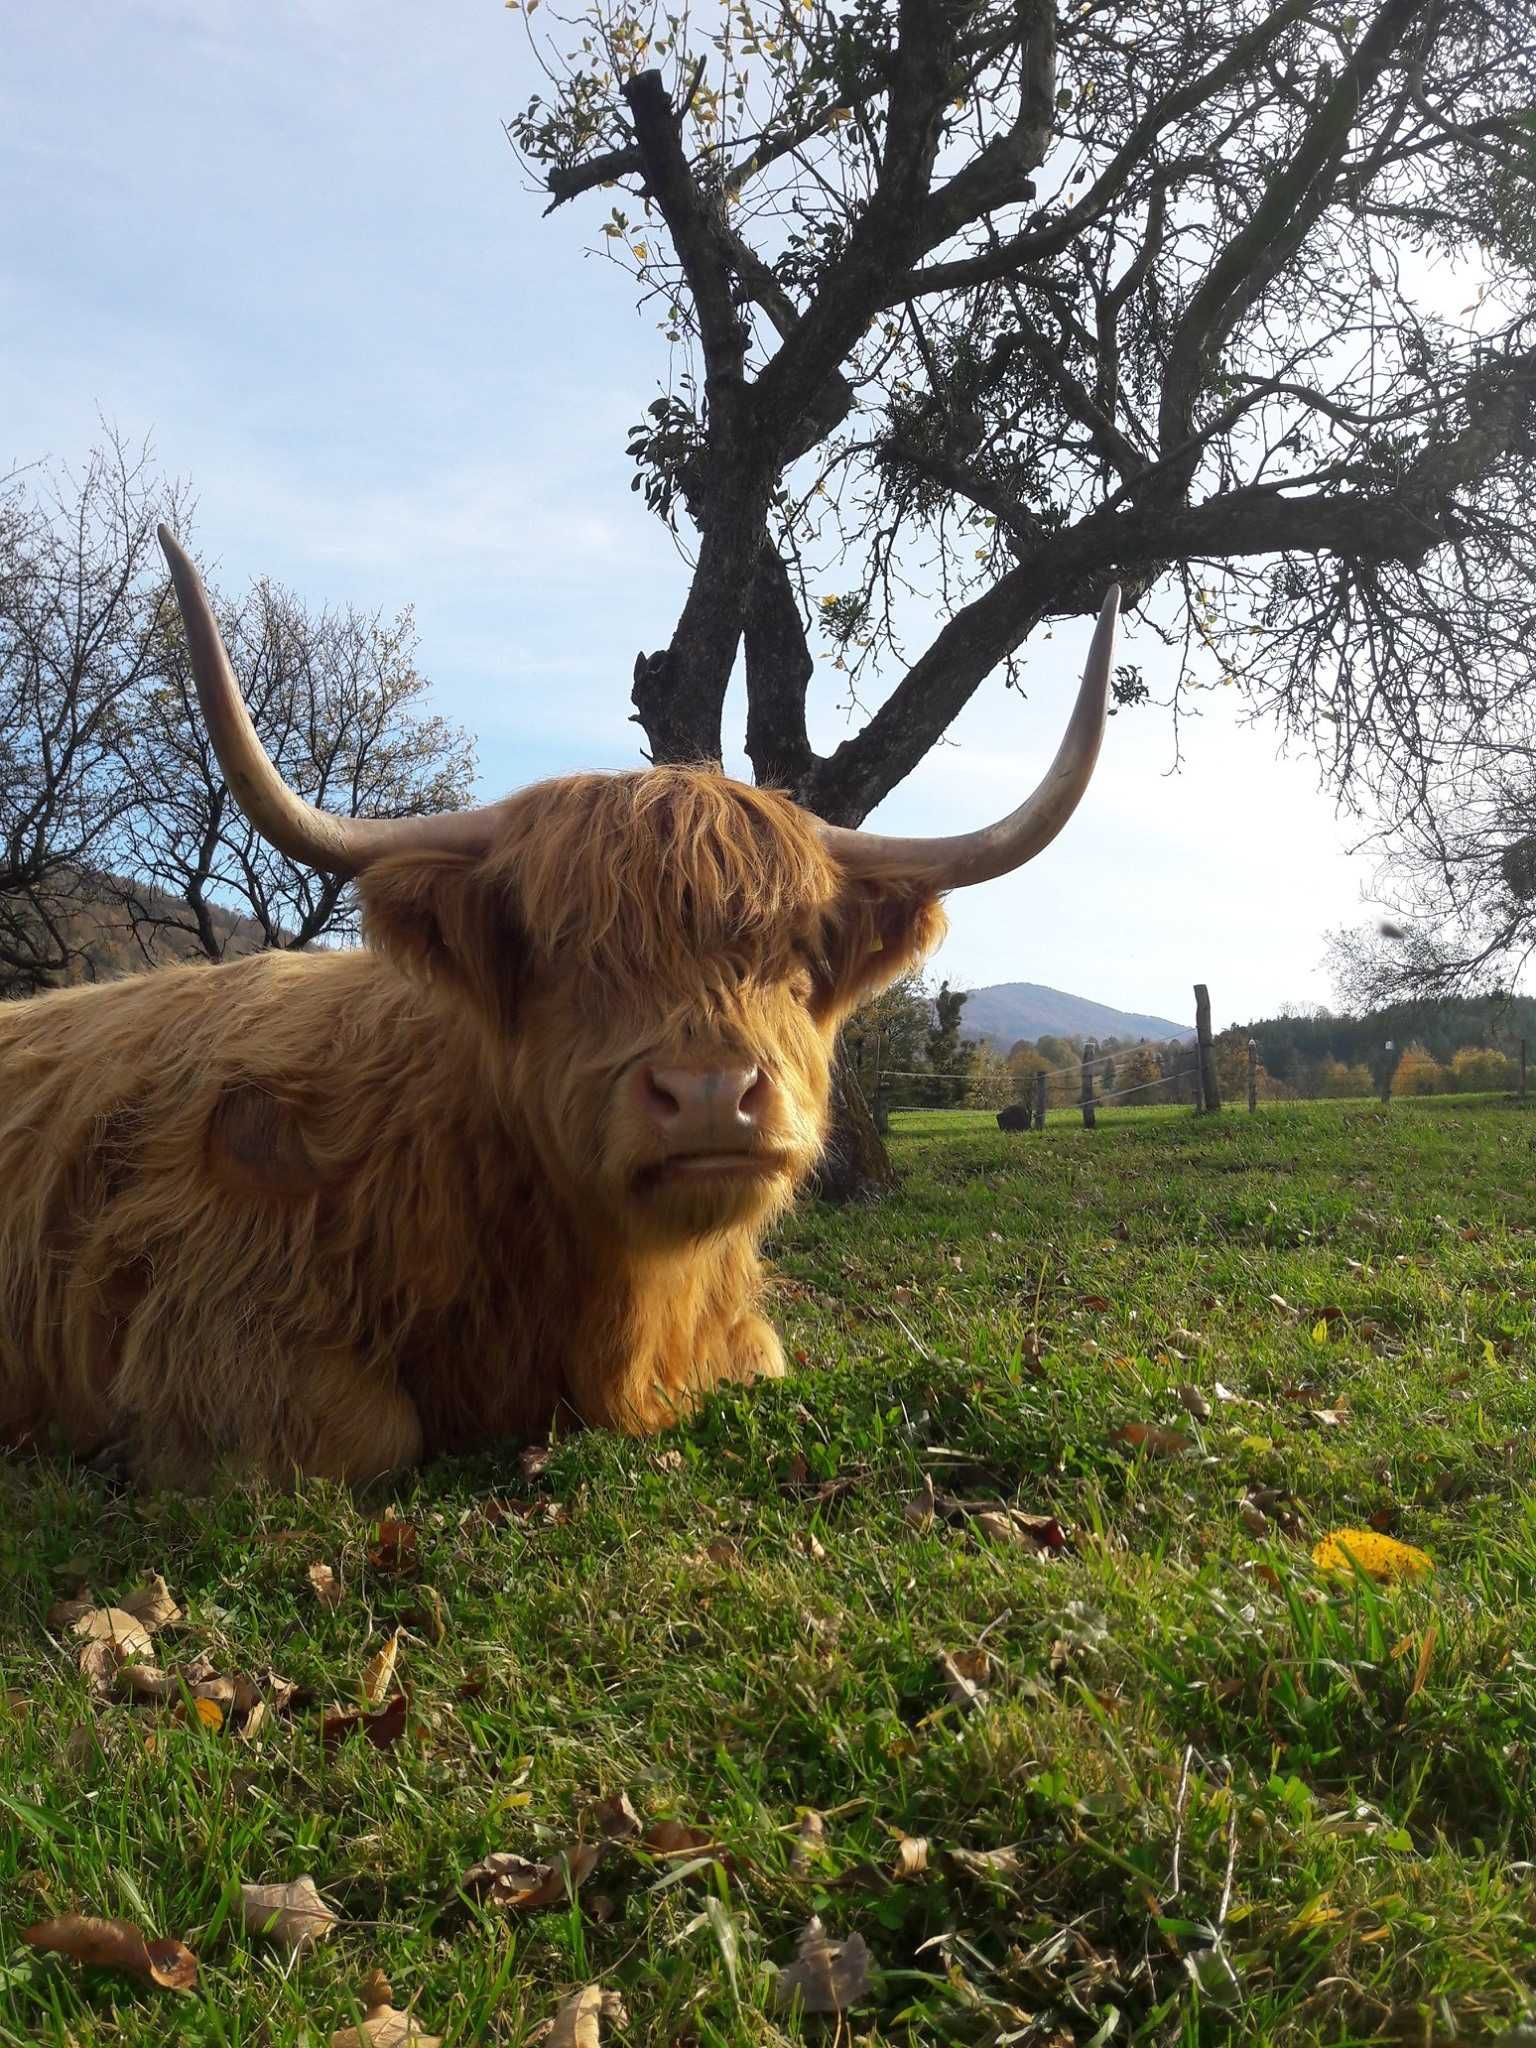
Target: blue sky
x=292, y=245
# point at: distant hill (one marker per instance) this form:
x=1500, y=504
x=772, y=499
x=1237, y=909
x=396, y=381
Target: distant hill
x=1024, y=1009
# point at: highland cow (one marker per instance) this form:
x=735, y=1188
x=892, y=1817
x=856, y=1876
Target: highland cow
x=1018, y=1116
x=329, y=1213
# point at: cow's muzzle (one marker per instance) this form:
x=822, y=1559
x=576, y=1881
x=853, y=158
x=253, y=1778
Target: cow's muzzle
x=705, y=1113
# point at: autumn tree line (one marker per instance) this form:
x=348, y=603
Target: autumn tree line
x=910, y=1051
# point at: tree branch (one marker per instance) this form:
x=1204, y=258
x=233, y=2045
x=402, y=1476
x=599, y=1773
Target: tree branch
x=1293, y=199
x=1020, y=251
x=569, y=181
x=885, y=235
x=1068, y=574
x=779, y=672
x=999, y=174
x=693, y=230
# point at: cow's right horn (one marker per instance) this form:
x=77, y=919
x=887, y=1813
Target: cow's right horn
x=337, y=846
x=994, y=850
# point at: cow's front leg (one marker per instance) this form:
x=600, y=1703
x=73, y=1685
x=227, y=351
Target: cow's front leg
x=343, y=1422
x=652, y=1394
x=751, y=1350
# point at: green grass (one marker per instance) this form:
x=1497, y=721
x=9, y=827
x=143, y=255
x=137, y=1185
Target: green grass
x=1246, y=1802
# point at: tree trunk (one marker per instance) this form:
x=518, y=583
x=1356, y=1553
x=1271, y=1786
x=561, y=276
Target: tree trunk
x=855, y=1166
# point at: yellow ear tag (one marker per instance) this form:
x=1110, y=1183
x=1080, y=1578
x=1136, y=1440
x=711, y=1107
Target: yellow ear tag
x=877, y=945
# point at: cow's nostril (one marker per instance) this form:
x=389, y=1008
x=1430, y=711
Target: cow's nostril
x=754, y=1095
x=659, y=1099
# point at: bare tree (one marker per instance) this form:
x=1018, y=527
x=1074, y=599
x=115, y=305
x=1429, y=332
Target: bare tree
x=991, y=305
x=119, y=840
x=338, y=701
x=82, y=592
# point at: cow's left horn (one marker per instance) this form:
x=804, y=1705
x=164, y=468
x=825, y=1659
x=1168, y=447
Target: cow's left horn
x=337, y=846
x=998, y=849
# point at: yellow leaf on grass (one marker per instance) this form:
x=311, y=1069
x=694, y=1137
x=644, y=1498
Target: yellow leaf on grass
x=1369, y=1552
x=379, y=1671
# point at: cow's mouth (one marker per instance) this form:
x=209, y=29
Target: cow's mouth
x=693, y=1169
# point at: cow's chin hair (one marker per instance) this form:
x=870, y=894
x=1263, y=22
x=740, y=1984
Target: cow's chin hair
x=666, y=1204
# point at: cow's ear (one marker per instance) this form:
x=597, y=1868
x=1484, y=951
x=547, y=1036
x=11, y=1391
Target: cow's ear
x=440, y=916
x=878, y=931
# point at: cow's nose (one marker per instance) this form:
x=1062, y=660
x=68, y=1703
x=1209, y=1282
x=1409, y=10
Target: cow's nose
x=702, y=1109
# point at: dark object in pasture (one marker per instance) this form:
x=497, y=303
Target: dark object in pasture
x=1016, y=1117
x=332, y=1212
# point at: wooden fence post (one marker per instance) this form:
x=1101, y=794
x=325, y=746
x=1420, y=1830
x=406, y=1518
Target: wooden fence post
x=1208, y=1088
x=1522, y=1070
x=1196, y=1096
x=1087, y=1095
x=1039, y=1102
x=1388, y=1069
x=1253, y=1075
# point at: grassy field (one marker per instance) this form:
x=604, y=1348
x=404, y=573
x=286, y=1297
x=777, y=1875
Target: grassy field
x=1174, y=1783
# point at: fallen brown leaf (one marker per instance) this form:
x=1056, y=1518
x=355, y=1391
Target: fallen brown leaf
x=517, y=1885
x=153, y=1605
x=109, y=1638
x=256, y=1699
x=64, y=1614
x=965, y=1673
x=397, y=1547
x=383, y=1729
x=294, y=1914
x=1011, y=1525
x=533, y=1459
x=325, y=1585
x=383, y=2026
x=810, y=1840
x=116, y=1945
x=141, y=1682
x=826, y=1975
x=911, y=1855
x=1254, y=1520
x=495, y=1514
x=616, y=1818
x=113, y=1625
x=994, y=1866
x=576, y=2021
x=1194, y=1403
x=1149, y=1438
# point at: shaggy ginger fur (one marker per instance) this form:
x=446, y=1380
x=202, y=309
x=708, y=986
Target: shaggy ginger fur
x=333, y=1212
